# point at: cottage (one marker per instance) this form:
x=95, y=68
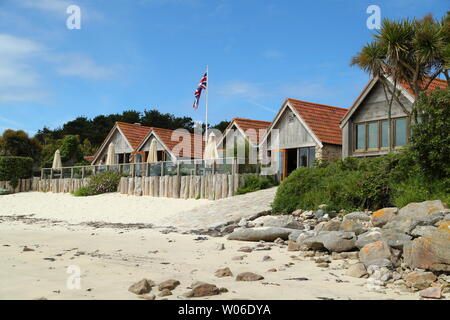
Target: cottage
x=241, y=131
x=132, y=141
x=301, y=133
x=366, y=130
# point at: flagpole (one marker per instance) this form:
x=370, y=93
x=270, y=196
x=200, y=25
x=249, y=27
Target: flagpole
x=207, y=91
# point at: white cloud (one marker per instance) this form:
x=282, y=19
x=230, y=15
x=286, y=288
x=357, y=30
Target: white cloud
x=55, y=6
x=81, y=66
x=19, y=81
x=243, y=89
x=20, y=63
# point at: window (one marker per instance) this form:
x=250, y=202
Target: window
x=384, y=134
x=360, y=136
x=373, y=135
x=400, y=132
x=307, y=156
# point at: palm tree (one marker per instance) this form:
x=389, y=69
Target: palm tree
x=412, y=52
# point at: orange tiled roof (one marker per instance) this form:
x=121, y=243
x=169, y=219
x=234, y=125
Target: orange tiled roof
x=435, y=84
x=135, y=134
x=252, y=128
x=323, y=120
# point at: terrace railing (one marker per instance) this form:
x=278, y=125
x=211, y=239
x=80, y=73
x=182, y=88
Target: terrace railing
x=163, y=168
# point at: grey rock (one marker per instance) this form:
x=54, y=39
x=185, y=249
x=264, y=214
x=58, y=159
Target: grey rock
x=374, y=251
x=261, y=233
x=285, y=221
x=395, y=239
x=400, y=224
x=357, y=270
x=319, y=214
x=357, y=216
x=370, y=236
x=420, y=210
x=295, y=234
x=423, y=231
x=339, y=241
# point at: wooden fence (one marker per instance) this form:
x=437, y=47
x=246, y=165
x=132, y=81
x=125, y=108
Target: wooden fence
x=210, y=187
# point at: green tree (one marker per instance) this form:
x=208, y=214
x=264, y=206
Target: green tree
x=431, y=137
x=413, y=52
x=18, y=143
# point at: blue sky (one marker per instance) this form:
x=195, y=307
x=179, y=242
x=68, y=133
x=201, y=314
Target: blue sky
x=137, y=54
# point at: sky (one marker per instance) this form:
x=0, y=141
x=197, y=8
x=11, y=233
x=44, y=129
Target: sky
x=147, y=54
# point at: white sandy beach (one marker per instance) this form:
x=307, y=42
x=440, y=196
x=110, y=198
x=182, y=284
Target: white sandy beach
x=113, y=257
x=110, y=260
x=111, y=207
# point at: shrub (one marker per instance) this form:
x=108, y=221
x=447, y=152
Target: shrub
x=431, y=138
x=104, y=182
x=356, y=184
x=254, y=183
x=14, y=168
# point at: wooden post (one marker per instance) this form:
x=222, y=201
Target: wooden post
x=82, y=172
x=178, y=169
x=51, y=173
x=71, y=173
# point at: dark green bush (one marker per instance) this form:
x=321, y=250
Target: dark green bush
x=104, y=182
x=431, y=134
x=356, y=184
x=254, y=183
x=14, y=168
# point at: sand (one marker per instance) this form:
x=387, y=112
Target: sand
x=112, y=257
x=111, y=207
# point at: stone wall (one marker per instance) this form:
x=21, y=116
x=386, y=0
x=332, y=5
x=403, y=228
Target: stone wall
x=329, y=152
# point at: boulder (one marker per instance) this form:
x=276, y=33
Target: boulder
x=332, y=225
x=429, y=220
x=395, y=239
x=204, y=290
x=400, y=224
x=165, y=293
x=225, y=272
x=419, y=279
x=141, y=287
x=431, y=293
x=381, y=217
x=352, y=226
x=357, y=270
x=419, y=210
x=357, y=216
x=319, y=213
x=430, y=252
x=248, y=276
x=339, y=241
x=285, y=221
x=260, y=233
x=168, y=284
x=307, y=215
x=372, y=253
x=423, y=231
x=370, y=236
x=295, y=234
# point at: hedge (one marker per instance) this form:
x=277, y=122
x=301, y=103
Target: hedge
x=14, y=168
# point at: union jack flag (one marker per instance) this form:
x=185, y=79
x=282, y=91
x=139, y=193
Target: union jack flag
x=202, y=85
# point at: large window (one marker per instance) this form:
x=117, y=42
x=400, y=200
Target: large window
x=374, y=135
x=360, y=137
x=400, y=132
x=307, y=156
x=384, y=134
